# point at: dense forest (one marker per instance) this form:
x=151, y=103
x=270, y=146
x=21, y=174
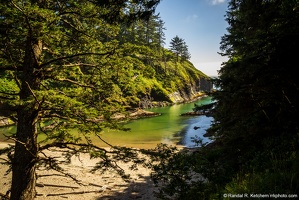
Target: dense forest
x=133, y=60
x=254, y=151
x=75, y=64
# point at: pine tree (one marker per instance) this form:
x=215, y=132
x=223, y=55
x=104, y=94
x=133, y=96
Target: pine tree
x=254, y=147
x=179, y=47
x=257, y=103
x=57, y=59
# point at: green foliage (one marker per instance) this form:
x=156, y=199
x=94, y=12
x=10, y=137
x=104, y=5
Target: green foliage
x=281, y=177
x=256, y=106
x=255, y=132
x=76, y=65
x=179, y=174
x=8, y=86
x=179, y=47
x=177, y=75
x=62, y=67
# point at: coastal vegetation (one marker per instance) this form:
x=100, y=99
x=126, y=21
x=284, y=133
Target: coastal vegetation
x=254, y=149
x=76, y=65
x=84, y=64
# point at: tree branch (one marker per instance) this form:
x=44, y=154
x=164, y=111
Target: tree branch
x=103, y=140
x=35, y=97
x=17, y=81
x=22, y=143
x=55, y=115
x=65, y=145
x=76, y=83
x=79, y=64
x=71, y=25
x=75, y=55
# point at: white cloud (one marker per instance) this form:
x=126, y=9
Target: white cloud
x=190, y=18
x=216, y=2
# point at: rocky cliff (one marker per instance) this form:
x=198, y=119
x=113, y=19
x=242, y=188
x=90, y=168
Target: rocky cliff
x=175, y=83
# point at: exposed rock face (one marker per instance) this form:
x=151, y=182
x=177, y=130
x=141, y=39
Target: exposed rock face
x=191, y=91
x=176, y=97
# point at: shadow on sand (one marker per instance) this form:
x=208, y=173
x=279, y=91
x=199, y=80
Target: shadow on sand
x=143, y=189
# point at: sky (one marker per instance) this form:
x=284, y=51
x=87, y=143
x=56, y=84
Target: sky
x=201, y=23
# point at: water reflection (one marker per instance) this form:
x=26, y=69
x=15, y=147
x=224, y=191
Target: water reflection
x=195, y=129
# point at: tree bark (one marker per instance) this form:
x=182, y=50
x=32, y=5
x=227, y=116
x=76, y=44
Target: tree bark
x=25, y=158
x=26, y=149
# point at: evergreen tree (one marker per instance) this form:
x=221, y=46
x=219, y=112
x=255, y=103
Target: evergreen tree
x=255, y=134
x=185, y=52
x=257, y=103
x=160, y=32
x=176, y=45
x=58, y=60
x=179, y=47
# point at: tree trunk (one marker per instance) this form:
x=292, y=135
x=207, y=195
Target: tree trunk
x=25, y=157
x=26, y=150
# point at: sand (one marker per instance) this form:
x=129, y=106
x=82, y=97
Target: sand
x=52, y=185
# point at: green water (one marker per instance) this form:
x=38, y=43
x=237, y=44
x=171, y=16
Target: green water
x=169, y=128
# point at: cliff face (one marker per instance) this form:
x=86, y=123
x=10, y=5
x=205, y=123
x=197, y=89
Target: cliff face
x=175, y=83
x=187, y=93
x=191, y=91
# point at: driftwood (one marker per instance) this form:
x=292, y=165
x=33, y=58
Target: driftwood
x=93, y=184
x=71, y=187
x=71, y=193
x=52, y=185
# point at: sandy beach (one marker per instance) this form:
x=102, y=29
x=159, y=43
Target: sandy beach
x=52, y=185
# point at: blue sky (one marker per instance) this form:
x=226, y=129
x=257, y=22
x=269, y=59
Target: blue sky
x=201, y=23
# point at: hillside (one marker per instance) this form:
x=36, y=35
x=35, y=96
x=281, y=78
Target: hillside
x=170, y=82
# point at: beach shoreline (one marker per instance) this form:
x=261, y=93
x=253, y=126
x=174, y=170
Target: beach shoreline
x=93, y=186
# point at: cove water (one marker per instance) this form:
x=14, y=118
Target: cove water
x=169, y=128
